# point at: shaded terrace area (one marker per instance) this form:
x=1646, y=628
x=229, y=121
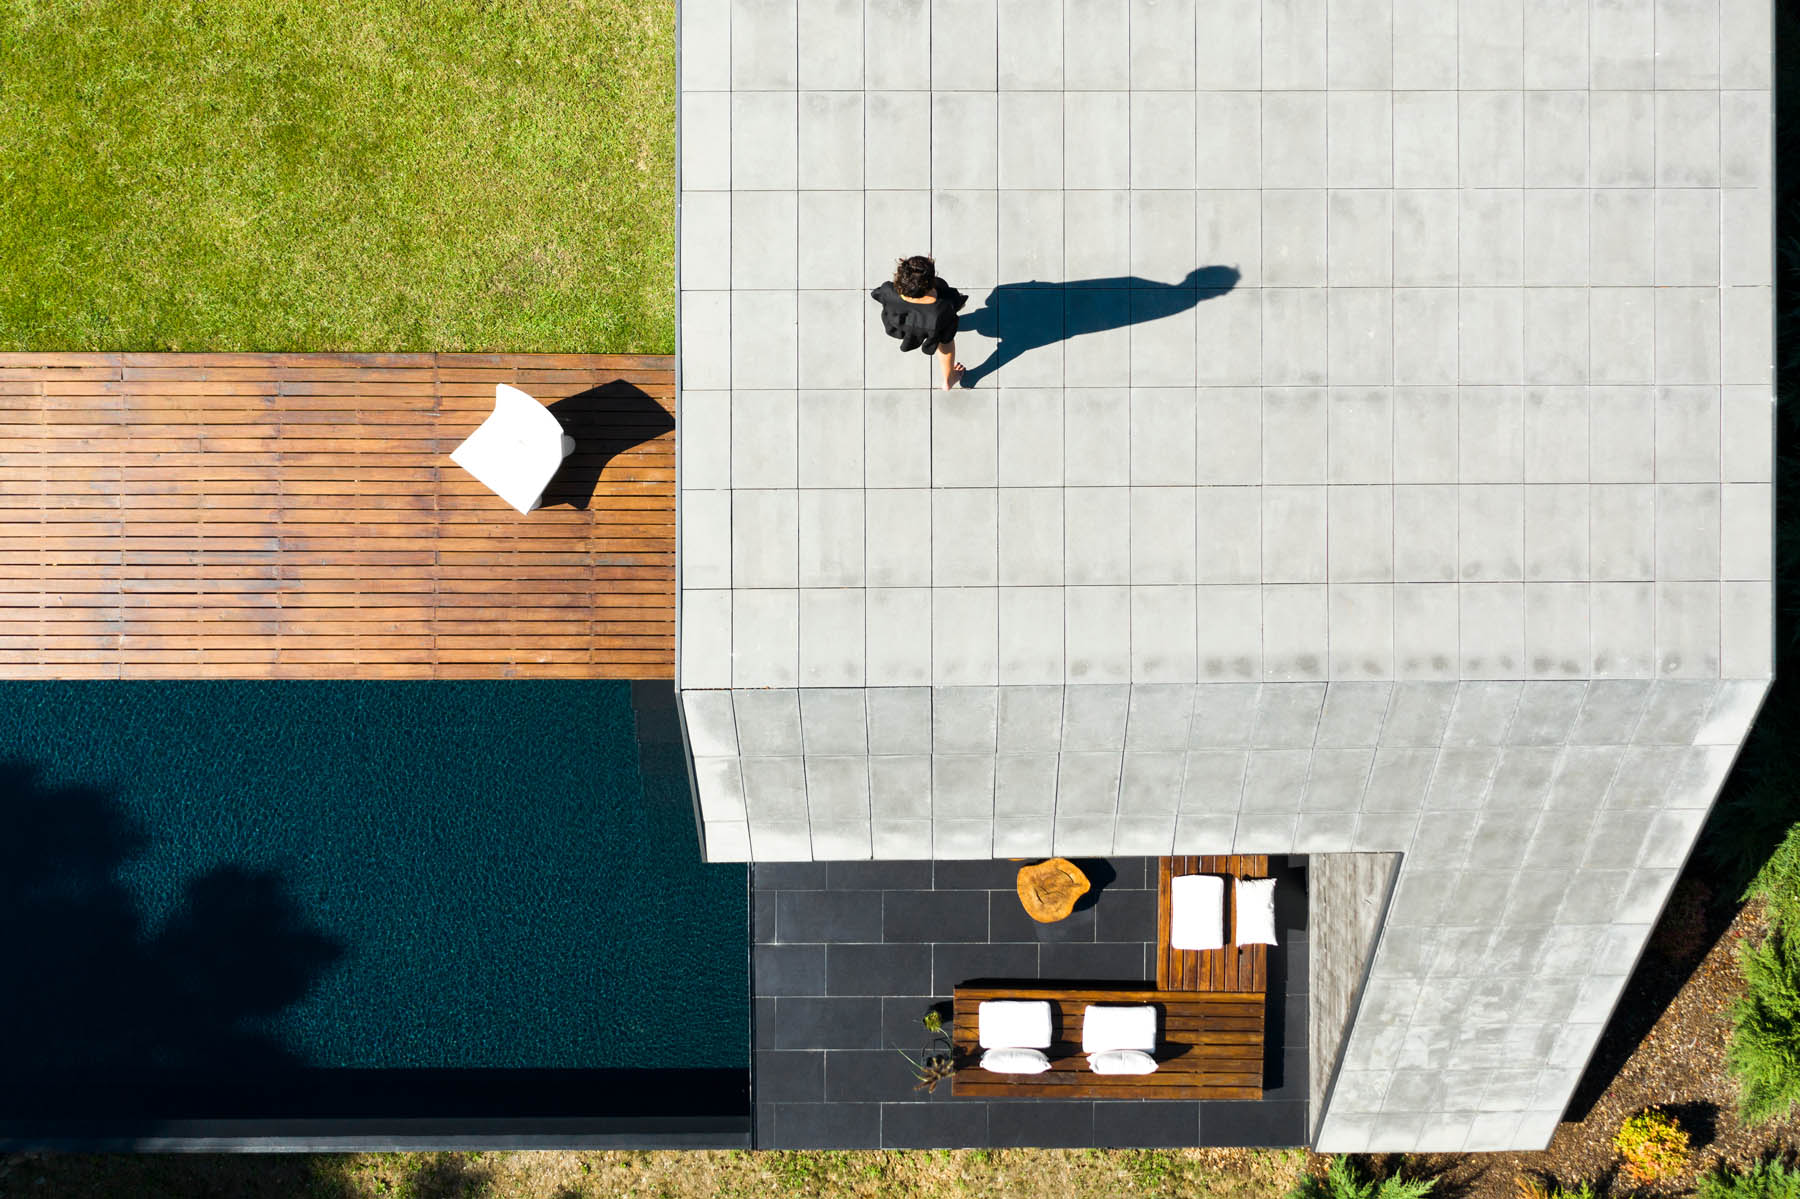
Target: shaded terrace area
x=297, y=516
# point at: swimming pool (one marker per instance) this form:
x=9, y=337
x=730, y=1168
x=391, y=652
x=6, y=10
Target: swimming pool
x=317, y=899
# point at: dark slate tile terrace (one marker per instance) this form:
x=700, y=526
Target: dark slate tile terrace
x=849, y=955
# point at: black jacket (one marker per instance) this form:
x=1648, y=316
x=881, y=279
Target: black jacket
x=920, y=325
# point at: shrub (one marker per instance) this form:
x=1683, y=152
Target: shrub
x=1344, y=1180
x=1750, y=839
x=1765, y=1180
x=1778, y=881
x=1765, y=1035
x=1653, y=1144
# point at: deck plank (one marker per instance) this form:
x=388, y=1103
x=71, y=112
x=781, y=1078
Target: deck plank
x=297, y=516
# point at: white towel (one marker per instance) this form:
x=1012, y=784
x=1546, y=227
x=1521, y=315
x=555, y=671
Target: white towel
x=1015, y=1061
x=1197, y=911
x=1255, y=911
x=1114, y=1026
x=1122, y=1061
x=1014, y=1023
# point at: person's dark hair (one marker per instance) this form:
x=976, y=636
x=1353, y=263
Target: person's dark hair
x=914, y=276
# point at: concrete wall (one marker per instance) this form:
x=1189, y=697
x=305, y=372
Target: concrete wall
x=1347, y=898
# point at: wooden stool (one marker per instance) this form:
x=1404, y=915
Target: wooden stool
x=1049, y=889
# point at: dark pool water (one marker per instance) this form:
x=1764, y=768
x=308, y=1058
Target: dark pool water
x=221, y=882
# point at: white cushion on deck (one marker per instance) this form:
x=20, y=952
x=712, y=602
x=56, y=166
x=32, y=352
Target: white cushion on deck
x=1197, y=911
x=516, y=450
x=1122, y=1061
x=1014, y=1023
x=1015, y=1061
x=1116, y=1026
x=1255, y=911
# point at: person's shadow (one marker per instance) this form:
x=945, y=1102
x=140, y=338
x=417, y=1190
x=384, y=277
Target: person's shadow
x=1021, y=317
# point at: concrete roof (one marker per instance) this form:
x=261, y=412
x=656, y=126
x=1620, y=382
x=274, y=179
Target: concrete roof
x=1489, y=399
x=1483, y=414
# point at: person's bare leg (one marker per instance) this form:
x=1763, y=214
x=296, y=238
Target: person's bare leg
x=952, y=368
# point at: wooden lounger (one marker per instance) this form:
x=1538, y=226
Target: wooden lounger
x=1235, y=968
x=1209, y=1046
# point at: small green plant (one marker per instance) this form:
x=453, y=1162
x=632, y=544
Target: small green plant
x=1152, y=1171
x=929, y=1069
x=1765, y=1180
x=1765, y=1035
x=1653, y=1144
x=1532, y=1186
x=1343, y=1179
x=936, y=1061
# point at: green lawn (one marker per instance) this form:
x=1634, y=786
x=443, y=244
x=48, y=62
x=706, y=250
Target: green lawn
x=328, y=175
x=666, y=1174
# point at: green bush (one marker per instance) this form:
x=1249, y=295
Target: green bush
x=1653, y=1144
x=1765, y=1034
x=1751, y=841
x=1344, y=1180
x=1778, y=881
x=1765, y=1180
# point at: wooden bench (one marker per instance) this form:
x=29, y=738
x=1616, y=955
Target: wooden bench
x=1209, y=1045
x=1233, y=969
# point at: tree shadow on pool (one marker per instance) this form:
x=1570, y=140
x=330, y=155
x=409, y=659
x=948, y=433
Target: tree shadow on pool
x=104, y=1014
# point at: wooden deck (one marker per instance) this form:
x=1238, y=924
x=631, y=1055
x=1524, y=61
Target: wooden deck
x=1209, y=1045
x=1233, y=968
x=297, y=516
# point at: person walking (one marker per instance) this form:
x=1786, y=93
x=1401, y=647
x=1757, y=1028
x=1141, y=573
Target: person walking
x=919, y=309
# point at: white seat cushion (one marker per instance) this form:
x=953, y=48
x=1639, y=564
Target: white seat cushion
x=1197, y=911
x=1255, y=902
x=1015, y=1061
x=516, y=450
x=1116, y=1026
x=1122, y=1061
x=1014, y=1023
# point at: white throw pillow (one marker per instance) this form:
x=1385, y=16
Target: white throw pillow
x=1014, y=1023
x=1122, y=1061
x=1115, y=1026
x=1255, y=911
x=1197, y=911
x=1015, y=1061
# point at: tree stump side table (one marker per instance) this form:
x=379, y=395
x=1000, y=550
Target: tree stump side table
x=1049, y=889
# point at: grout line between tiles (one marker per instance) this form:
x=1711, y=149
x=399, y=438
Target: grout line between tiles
x=1588, y=375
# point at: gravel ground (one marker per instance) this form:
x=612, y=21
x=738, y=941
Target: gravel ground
x=1666, y=1046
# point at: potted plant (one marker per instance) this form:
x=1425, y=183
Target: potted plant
x=936, y=1059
